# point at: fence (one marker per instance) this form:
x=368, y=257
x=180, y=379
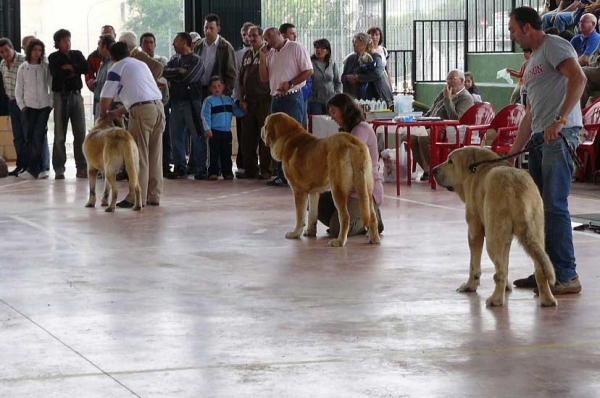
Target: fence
x=401, y=68
x=440, y=46
x=483, y=28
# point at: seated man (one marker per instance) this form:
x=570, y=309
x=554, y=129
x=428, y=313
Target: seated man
x=562, y=17
x=450, y=104
x=586, y=42
x=592, y=73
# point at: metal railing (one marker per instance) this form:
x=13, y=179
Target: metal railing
x=440, y=46
x=488, y=23
x=401, y=68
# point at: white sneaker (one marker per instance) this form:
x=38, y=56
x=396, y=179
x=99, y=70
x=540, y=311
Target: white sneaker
x=43, y=174
x=26, y=175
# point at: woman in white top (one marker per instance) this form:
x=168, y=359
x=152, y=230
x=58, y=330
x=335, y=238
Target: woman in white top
x=33, y=92
x=377, y=37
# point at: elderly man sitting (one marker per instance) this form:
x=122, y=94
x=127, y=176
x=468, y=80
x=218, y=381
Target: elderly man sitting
x=450, y=104
x=586, y=42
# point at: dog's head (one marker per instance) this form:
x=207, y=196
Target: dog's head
x=453, y=173
x=277, y=125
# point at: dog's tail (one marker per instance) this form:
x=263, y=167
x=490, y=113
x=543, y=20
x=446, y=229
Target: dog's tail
x=531, y=237
x=131, y=157
x=362, y=175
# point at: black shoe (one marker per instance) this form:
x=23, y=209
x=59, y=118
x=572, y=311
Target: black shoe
x=166, y=171
x=200, y=176
x=125, y=204
x=16, y=171
x=177, y=174
x=81, y=174
x=228, y=177
x=242, y=176
x=526, y=283
x=122, y=176
x=424, y=177
x=277, y=182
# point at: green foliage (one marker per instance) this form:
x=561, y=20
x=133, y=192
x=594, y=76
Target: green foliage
x=164, y=18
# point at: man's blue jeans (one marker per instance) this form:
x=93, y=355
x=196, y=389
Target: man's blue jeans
x=562, y=21
x=293, y=105
x=181, y=118
x=551, y=167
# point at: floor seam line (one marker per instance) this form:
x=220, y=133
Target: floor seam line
x=70, y=348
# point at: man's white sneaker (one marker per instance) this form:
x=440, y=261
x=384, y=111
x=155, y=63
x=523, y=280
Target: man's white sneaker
x=43, y=174
x=26, y=175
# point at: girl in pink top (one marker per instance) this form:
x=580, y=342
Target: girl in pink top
x=348, y=115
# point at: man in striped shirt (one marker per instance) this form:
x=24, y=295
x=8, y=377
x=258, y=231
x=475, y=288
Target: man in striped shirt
x=11, y=60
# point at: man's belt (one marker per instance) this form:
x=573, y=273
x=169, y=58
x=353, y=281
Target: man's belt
x=289, y=93
x=143, y=103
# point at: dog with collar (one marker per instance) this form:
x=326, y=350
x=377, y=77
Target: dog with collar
x=501, y=202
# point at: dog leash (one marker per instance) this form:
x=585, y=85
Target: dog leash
x=529, y=147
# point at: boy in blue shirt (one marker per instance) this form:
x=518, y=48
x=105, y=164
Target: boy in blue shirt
x=217, y=111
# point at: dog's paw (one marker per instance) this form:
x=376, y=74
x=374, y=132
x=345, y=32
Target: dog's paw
x=292, y=235
x=109, y=209
x=335, y=243
x=90, y=204
x=374, y=240
x=494, y=301
x=549, y=302
x=104, y=203
x=137, y=207
x=467, y=288
x=311, y=231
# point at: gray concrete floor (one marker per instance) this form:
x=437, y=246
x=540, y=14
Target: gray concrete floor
x=204, y=297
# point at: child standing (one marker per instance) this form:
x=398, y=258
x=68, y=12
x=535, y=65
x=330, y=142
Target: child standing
x=217, y=111
x=518, y=91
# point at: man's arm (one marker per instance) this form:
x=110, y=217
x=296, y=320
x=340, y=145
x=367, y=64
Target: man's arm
x=80, y=64
x=455, y=110
x=576, y=81
x=230, y=70
x=262, y=66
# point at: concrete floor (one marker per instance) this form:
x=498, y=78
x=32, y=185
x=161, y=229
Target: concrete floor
x=204, y=297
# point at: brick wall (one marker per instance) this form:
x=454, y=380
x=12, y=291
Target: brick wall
x=7, y=148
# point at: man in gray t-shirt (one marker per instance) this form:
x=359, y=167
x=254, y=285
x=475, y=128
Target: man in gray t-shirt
x=554, y=82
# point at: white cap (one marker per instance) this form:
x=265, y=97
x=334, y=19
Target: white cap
x=195, y=36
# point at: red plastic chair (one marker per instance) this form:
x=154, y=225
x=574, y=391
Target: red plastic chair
x=586, y=150
x=476, y=118
x=506, y=124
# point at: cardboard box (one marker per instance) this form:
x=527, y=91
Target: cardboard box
x=5, y=123
x=8, y=153
x=6, y=138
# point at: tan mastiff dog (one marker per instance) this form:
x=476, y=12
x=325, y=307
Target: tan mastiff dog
x=106, y=148
x=312, y=165
x=501, y=201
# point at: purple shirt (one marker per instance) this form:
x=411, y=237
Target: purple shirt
x=364, y=132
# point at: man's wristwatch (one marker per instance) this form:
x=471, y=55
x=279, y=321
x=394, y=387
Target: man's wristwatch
x=560, y=119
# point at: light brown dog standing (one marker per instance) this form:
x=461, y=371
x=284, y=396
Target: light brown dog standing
x=106, y=148
x=312, y=165
x=501, y=201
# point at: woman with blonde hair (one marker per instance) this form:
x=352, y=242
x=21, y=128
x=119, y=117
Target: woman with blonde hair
x=364, y=74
